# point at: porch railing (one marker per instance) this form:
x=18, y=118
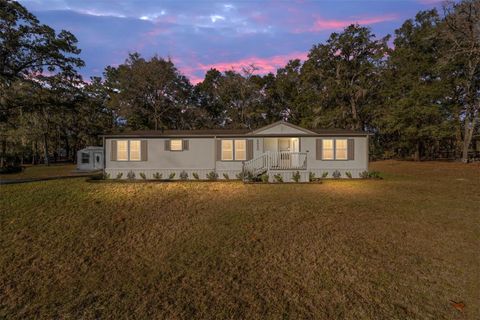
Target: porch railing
x=282, y=160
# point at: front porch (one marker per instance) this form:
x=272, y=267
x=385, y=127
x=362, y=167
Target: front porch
x=280, y=156
x=283, y=163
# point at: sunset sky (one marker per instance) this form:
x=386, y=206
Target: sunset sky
x=199, y=35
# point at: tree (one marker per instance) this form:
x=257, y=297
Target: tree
x=30, y=52
x=461, y=30
x=413, y=113
x=149, y=94
x=208, y=98
x=28, y=48
x=286, y=93
x=343, y=74
x=91, y=115
x=241, y=96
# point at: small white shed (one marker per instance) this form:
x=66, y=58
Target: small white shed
x=90, y=159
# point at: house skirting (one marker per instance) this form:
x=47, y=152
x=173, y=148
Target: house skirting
x=149, y=173
x=287, y=175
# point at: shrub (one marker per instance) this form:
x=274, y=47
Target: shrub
x=130, y=175
x=336, y=174
x=370, y=175
x=240, y=175
x=296, y=176
x=144, y=177
x=311, y=176
x=374, y=175
x=246, y=176
x=119, y=175
x=278, y=177
x=348, y=174
x=195, y=175
x=157, y=176
x=225, y=175
x=106, y=176
x=364, y=174
x=212, y=175
x=264, y=177
x=183, y=175
x=171, y=176
x=324, y=174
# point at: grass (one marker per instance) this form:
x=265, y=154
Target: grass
x=398, y=248
x=42, y=171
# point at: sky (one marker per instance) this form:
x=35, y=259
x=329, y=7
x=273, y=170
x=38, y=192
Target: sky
x=203, y=34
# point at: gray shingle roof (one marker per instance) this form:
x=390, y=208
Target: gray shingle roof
x=228, y=133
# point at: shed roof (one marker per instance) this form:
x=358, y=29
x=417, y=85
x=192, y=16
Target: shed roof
x=93, y=148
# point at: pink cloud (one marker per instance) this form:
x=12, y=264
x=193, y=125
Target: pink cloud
x=264, y=65
x=321, y=24
x=195, y=79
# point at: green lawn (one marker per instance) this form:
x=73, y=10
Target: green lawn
x=42, y=171
x=398, y=248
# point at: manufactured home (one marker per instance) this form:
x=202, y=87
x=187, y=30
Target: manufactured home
x=277, y=149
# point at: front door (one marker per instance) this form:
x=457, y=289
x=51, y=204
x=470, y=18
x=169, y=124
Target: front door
x=97, y=160
x=295, y=148
x=284, y=149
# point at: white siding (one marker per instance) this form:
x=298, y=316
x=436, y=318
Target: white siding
x=356, y=166
x=200, y=159
x=200, y=155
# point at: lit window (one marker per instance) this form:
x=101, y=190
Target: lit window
x=341, y=149
x=176, y=145
x=122, y=150
x=240, y=150
x=327, y=149
x=227, y=149
x=135, y=150
x=85, y=157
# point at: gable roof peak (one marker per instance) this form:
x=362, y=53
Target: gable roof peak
x=285, y=123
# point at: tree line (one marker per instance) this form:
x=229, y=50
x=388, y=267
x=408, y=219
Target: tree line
x=417, y=93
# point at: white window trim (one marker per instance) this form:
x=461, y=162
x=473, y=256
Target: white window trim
x=139, y=151
x=346, y=150
x=333, y=150
x=181, y=144
x=235, y=149
x=232, y=151
x=334, y=158
x=87, y=157
x=128, y=151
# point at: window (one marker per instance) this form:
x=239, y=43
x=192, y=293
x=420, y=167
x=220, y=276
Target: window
x=327, y=149
x=240, y=150
x=129, y=150
x=85, y=157
x=341, y=149
x=122, y=150
x=227, y=150
x=176, y=145
x=135, y=150
x=233, y=150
